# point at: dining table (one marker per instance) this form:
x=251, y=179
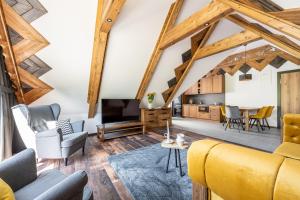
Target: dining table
x=246, y=112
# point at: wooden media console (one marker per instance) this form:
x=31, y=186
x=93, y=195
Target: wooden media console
x=119, y=129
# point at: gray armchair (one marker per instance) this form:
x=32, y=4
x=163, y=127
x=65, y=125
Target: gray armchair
x=20, y=173
x=48, y=143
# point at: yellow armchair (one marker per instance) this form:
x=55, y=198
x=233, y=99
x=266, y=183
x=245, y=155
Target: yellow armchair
x=290, y=146
x=230, y=172
x=291, y=128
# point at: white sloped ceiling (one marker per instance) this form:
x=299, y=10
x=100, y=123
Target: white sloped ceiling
x=69, y=27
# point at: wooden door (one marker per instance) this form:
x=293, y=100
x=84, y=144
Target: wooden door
x=186, y=110
x=218, y=84
x=290, y=93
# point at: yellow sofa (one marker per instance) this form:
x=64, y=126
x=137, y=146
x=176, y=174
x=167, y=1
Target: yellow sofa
x=230, y=172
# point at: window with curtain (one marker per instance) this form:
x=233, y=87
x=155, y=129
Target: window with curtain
x=7, y=100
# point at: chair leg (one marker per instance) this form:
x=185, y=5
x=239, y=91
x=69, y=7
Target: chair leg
x=238, y=124
x=227, y=124
x=261, y=126
x=267, y=124
x=66, y=161
x=253, y=123
x=257, y=124
x=242, y=124
x=83, y=149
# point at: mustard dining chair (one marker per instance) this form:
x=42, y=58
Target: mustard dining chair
x=223, y=113
x=258, y=117
x=268, y=115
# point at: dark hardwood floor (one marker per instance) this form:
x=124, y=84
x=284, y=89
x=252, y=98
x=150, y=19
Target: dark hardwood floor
x=102, y=178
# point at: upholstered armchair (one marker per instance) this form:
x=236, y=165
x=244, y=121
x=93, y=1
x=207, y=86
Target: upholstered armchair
x=48, y=143
x=226, y=171
x=222, y=171
x=20, y=173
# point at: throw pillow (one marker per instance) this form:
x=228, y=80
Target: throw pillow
x=6, y=192
x=65, y=126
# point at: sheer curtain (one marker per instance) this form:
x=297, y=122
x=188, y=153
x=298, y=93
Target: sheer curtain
x=7, y=100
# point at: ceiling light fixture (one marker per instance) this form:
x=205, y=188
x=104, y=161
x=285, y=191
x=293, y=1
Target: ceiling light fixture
x=245, y=76
x=109, y=20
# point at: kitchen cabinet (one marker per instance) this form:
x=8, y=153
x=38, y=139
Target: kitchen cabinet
x=218, y=83
x=206, y=85
x=192, y=90
x=212, y=84
x=203, y=115
x=192, y=111
x=185, y=110
x=215, y=113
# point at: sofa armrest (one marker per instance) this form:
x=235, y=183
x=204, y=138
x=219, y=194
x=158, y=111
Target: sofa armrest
x=49, y=139
x=49, y=133
x=70, y=187
x=19, y=170
x=78, y=126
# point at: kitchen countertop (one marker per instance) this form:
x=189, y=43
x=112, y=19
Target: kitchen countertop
x=200, y=104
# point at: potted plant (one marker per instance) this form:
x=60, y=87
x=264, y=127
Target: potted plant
x=150, y=97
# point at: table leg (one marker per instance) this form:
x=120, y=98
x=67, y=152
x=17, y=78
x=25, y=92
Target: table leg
x=176, y=163
x=246, y=114
x=168, y=161
x=180, y=167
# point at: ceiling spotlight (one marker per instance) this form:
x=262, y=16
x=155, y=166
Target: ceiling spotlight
x=206, y=24
x=273, y=49
x=109, y=20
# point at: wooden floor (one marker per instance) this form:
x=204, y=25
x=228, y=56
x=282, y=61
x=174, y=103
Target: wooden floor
x=102, y=179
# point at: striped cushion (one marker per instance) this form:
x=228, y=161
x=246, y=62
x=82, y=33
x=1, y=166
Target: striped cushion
x=65, y=126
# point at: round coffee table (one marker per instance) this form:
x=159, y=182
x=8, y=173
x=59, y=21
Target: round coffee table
x=177, y=149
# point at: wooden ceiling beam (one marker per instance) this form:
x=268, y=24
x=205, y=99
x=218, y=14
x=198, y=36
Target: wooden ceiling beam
x=231, y=42
x=31, y=43
x=268, y=19
x=198, y=21
x=292, y=15
x=256, y=58
x=9, y=56
x=286, y=44
x=107, y=13
x=113, y=10
x=189, y=65
x=157, y=52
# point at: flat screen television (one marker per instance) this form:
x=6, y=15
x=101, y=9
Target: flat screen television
x=120, y=110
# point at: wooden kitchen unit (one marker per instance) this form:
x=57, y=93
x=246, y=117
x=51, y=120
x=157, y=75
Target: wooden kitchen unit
x=208, y=85
x=193, y=111
x=152, y=118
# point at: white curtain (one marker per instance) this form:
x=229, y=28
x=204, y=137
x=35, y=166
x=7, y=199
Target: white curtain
x=7, y=100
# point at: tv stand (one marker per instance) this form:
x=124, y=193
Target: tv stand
x=119, y=129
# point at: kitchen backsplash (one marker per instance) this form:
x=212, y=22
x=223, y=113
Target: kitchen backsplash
x=207, y=99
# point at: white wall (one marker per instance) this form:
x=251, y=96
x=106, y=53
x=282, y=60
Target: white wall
x=258, y=92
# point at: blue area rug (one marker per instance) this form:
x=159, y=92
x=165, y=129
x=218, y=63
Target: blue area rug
x=143, y=173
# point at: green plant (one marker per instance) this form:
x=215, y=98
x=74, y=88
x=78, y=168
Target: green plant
x=150, y=97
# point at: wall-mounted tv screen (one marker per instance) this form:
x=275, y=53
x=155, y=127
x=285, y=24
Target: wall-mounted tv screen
x=119, y=110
